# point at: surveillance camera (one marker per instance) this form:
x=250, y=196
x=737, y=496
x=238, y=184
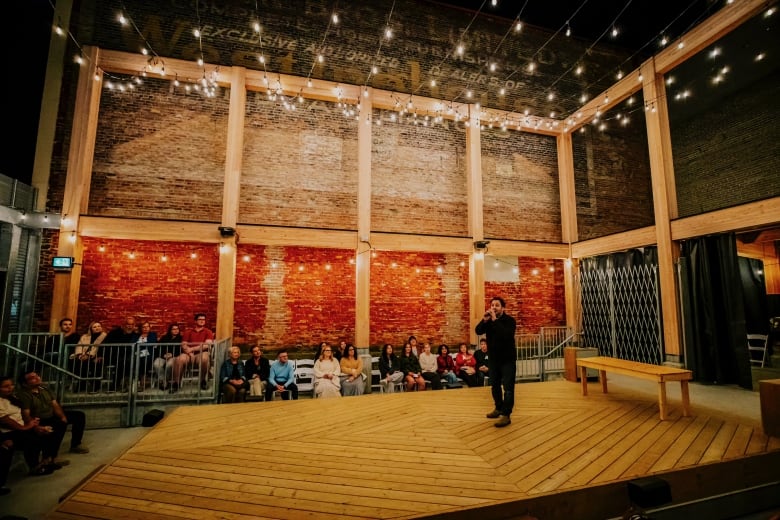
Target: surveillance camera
x=481, y=244
x=226, y=231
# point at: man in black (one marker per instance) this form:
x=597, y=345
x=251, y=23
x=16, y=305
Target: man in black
x=117, y=350
x=482, y=357
x=499, y=330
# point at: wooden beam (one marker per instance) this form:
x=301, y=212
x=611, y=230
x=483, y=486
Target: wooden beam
x=50, y=103
x=475, y=219
x=144, y=229
x=613, y=243
x=531, y=249
x=226, y=281
x=362, y=252
x=76, y=197
x=728, y=18
x=752, y=215
x=568, y=198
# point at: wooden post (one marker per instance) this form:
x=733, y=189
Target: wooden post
x=226, y=292
x=664, y=202
x=65, y=293
x=363, y=249
x=476, y=228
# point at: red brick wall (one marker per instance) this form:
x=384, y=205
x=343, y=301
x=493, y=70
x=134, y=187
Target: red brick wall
x=113, y=285
x=419, y=294
x=279, y=304
x=537, y=300
x=45, y=283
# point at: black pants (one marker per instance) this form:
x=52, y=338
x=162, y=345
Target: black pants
x=434, y=379
x=502, y=378
x=52, y=441
x=26, y=441
x=270, y=389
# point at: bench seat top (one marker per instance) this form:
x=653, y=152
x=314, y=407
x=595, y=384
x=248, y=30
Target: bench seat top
x=658, y=373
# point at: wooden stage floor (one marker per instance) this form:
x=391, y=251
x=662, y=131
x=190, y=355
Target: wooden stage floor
x=422, y=455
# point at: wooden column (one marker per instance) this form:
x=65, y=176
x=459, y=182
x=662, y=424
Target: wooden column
x=475, y=216
x=226, y=292
x=568, y=226
x=664, y=202
x=363, y=249
x=65, y=294
x=50, y=102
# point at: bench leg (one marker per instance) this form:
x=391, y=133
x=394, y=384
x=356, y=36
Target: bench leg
x=662, y=400
x=584, y=380
x=686, y=400
x=603, y=379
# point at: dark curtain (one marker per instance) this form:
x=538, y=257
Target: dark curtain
x=751, y=272
x=715, y=322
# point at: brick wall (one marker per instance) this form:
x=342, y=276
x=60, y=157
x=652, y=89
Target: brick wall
x=299, y=167
x=114, y=285
x=159, y=153
x=418, y=177
x=728, y=155
x=612, y=173
x=520, y=186
x=537, y=300
x=300, y=296
x=419, y=294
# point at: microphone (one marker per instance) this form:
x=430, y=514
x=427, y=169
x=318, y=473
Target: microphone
x=487, y=315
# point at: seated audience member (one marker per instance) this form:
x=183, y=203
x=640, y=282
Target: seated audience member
x=481, y=355
x=338, y=350
x=51, y=347
x=319, y=350
x=429, y=367
x=352, y=376
x=410, y=367
x=256, y=370
x=415, y=346
x=281, y=378
x=389, y=369
x=465, y=365
x=85, y=360
x=167, y=352
x=122, y=340
x=40, y=402
x=195, y=346
x=147, y=335
x=15, y=434
x=232, y=378
x=446, y=365
x=327, y=382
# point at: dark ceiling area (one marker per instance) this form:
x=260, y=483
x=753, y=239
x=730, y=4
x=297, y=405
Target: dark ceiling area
x=640, y=24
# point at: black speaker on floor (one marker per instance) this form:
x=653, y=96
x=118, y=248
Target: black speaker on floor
x=152, y=417
x=649, y=492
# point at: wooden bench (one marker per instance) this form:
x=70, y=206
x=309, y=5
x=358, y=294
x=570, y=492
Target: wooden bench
x=657, y=373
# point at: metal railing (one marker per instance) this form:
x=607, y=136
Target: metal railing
x=540, y=355
x=124, y=377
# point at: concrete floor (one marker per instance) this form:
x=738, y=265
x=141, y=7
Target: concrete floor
x=33, y=497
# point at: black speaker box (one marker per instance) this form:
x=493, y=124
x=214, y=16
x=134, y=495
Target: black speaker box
x=649, y=492
x=152, y=417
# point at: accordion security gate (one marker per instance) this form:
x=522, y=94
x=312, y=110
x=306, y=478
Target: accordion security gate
x=621, y=314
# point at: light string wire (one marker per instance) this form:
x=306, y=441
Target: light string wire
x=382, y=38
x=630, y=58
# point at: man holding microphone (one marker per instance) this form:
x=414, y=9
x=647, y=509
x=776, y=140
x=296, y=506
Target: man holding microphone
x=499, y=330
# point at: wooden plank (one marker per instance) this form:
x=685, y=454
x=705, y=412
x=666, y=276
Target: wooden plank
x=697, y=448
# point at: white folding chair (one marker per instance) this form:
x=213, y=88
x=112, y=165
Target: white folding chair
x=757, y=345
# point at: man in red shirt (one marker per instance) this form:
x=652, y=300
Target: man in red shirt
x=195, y=346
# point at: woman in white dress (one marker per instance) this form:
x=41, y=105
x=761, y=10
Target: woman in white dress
x=326, y=375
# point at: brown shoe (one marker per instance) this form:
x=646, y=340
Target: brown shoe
x=493, y=415
x=502, y=421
